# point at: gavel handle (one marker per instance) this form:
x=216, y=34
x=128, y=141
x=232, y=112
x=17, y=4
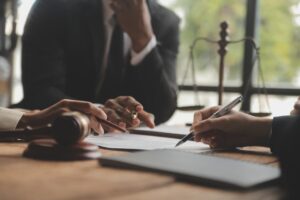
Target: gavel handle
x=26, y=134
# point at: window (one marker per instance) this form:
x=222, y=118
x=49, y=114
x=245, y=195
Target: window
x=279, y=35
x=276, y=27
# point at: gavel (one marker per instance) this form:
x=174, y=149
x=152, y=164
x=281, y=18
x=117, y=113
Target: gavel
x=67, y=129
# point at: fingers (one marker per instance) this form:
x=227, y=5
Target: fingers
x=297, y=105
x=53, y=114
x=46, y=116
x=114, y=117
x=83, y=106
x=114, y=105
x=49, y=114
x=200, y=137
x=296, y=110
x=147, y=118
x=119, y=4
x=134, y=106
x=215, y=139
x=116, y=6
x=95, y=125
x=204, y=114
x=130, y=103
x=121, y=110
x=208, y=125
x=124, y=107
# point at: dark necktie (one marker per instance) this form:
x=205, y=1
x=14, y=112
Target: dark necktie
x=114, y=70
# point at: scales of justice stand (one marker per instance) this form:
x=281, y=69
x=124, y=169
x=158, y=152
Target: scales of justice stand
x=223, y=42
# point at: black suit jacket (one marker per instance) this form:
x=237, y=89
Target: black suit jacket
x=285, y=143
x=63, y=46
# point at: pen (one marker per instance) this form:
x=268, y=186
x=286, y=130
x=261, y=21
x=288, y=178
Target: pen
x=110, y=124
x=223, y=111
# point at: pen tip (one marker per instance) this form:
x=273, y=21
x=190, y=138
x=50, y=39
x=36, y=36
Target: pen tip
x=178, y=144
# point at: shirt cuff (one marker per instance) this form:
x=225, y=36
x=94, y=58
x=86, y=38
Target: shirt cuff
x=9, y=118
x=137, y=58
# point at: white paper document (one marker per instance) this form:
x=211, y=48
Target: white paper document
x=126, y=141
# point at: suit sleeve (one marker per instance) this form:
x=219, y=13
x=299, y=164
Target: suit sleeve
x=285, y=133
x=43, y=66
x=285, y=143
x=155, y=76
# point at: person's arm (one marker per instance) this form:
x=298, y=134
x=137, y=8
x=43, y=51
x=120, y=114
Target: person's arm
x=296, y=110
x=46, y=116
x=285, y=131
x=285, y=143
x=9, y=118
x=238, y=129
x=235, y=129
x=43, y=67
x=154, y=78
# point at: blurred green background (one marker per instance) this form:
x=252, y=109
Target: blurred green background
x=278, y=37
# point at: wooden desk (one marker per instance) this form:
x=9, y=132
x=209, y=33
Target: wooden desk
x=24, y=179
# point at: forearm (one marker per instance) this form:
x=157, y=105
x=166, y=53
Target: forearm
x=155, y=77
x=285, y=142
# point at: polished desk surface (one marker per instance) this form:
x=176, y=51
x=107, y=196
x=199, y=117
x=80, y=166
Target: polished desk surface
x=22, y=178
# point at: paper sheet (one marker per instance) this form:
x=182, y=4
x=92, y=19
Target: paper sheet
x=126, y=141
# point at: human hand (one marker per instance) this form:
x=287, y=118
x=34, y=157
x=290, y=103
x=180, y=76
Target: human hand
x=235, y=129
x=40, y=118
x=121, y=111
x=134, y=18
x=296, y=110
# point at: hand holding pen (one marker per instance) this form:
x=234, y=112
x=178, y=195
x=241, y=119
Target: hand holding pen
x=126, y=112
x=205, y=114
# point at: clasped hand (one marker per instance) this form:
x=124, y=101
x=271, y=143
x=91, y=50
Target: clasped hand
x=121, y=110
x=134, y=19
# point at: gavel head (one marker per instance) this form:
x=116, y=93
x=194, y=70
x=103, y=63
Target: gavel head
x=70, y=128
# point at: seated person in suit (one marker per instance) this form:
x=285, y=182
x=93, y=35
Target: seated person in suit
x=96, y=50
x=237, y=129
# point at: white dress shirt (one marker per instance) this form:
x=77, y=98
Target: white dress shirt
x=9, y=118
x=109, y=23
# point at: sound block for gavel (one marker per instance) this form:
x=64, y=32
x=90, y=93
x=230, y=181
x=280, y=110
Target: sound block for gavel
x=48, y=149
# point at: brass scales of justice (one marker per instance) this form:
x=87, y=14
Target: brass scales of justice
x=223, y=43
